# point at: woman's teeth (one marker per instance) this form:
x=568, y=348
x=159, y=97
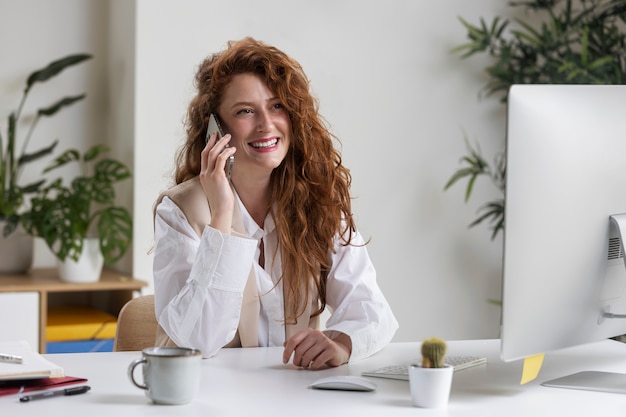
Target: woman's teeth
x=267, y=144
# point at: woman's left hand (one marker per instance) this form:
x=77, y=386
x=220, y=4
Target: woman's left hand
x=314, y=350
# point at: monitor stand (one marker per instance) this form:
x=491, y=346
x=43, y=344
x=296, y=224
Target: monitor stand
x=591, y=381
x=619, y=223
x=597, y=380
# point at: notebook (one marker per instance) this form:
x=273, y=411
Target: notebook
x=33, y=364
x=18, y=386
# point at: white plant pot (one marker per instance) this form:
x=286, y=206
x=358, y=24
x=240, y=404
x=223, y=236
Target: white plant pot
x=89, y=265
x=16, y=251
x=430, y=387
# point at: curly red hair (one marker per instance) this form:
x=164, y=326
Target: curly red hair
x=310, y=198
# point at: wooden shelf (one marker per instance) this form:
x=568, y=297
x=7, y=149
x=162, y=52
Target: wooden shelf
x=47, y=279
x=109, y=294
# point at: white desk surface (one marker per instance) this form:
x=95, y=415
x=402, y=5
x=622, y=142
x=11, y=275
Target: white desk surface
x=254, y=382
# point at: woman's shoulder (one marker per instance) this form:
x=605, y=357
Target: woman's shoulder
x=191, y=200
x=185, y=190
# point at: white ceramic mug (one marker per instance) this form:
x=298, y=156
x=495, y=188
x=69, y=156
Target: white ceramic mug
x=171, y=375
x=430, y=387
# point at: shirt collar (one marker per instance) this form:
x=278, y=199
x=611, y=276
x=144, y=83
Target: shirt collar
x=251, y=227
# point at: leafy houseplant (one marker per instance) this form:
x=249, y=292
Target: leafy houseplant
x=64, y=215
x=12, y=162
x=576, y=42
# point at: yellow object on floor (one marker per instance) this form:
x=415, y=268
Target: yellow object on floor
x=79, y=323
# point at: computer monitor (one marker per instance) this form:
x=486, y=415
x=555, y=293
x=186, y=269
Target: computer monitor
x=563, y=253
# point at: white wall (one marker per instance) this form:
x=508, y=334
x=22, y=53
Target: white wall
x=392, y=92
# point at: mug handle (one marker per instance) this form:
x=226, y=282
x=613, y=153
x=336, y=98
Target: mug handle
x=131, y=372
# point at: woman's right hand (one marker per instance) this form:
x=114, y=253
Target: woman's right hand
x=214, y=158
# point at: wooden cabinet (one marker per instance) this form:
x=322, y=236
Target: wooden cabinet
x=108, y=294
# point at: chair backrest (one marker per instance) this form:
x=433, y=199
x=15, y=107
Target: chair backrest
x=136, y=325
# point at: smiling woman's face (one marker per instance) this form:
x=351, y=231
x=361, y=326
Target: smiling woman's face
x=259, y=125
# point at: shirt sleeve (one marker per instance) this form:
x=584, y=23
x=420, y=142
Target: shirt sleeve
x=198, y=281
x=357, y=305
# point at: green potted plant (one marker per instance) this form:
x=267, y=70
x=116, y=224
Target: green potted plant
x=572, y=42
x=430, y=382
x=16, y=246
x=68, y=216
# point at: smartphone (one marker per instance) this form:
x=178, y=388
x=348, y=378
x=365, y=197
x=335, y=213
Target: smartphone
x=214, y=126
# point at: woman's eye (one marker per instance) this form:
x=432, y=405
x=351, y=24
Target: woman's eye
x=244, y=111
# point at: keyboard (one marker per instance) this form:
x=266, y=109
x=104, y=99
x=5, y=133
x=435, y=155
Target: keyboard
x=402, y=371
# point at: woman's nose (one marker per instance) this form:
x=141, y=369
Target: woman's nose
x=265, y=121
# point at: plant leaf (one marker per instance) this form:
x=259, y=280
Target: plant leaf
x=115, y=230
x=66, y=157
x=93, y=152
x=54, y=68
x=33, y=156
x=110, y=170
x=33, y=187
x=64, y=102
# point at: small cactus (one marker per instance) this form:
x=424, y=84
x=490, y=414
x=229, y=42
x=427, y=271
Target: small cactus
x=433, y=353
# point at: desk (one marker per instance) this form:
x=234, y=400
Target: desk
x=254, y=382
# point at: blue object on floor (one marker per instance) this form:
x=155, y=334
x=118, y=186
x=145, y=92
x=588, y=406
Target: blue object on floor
x=75, y=346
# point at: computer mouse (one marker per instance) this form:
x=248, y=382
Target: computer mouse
x=344, y=383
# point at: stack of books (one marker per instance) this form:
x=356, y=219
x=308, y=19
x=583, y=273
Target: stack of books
x=23, y=370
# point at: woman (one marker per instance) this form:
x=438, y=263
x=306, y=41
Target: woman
x=254, y=260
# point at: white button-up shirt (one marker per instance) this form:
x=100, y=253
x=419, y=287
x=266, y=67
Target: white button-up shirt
x=199, y=284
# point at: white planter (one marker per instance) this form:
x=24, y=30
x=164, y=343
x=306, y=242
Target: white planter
x=16, y=251
x=89, y=265
x=430, y=387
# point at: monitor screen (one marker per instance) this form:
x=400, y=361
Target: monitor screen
x=563, y=257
